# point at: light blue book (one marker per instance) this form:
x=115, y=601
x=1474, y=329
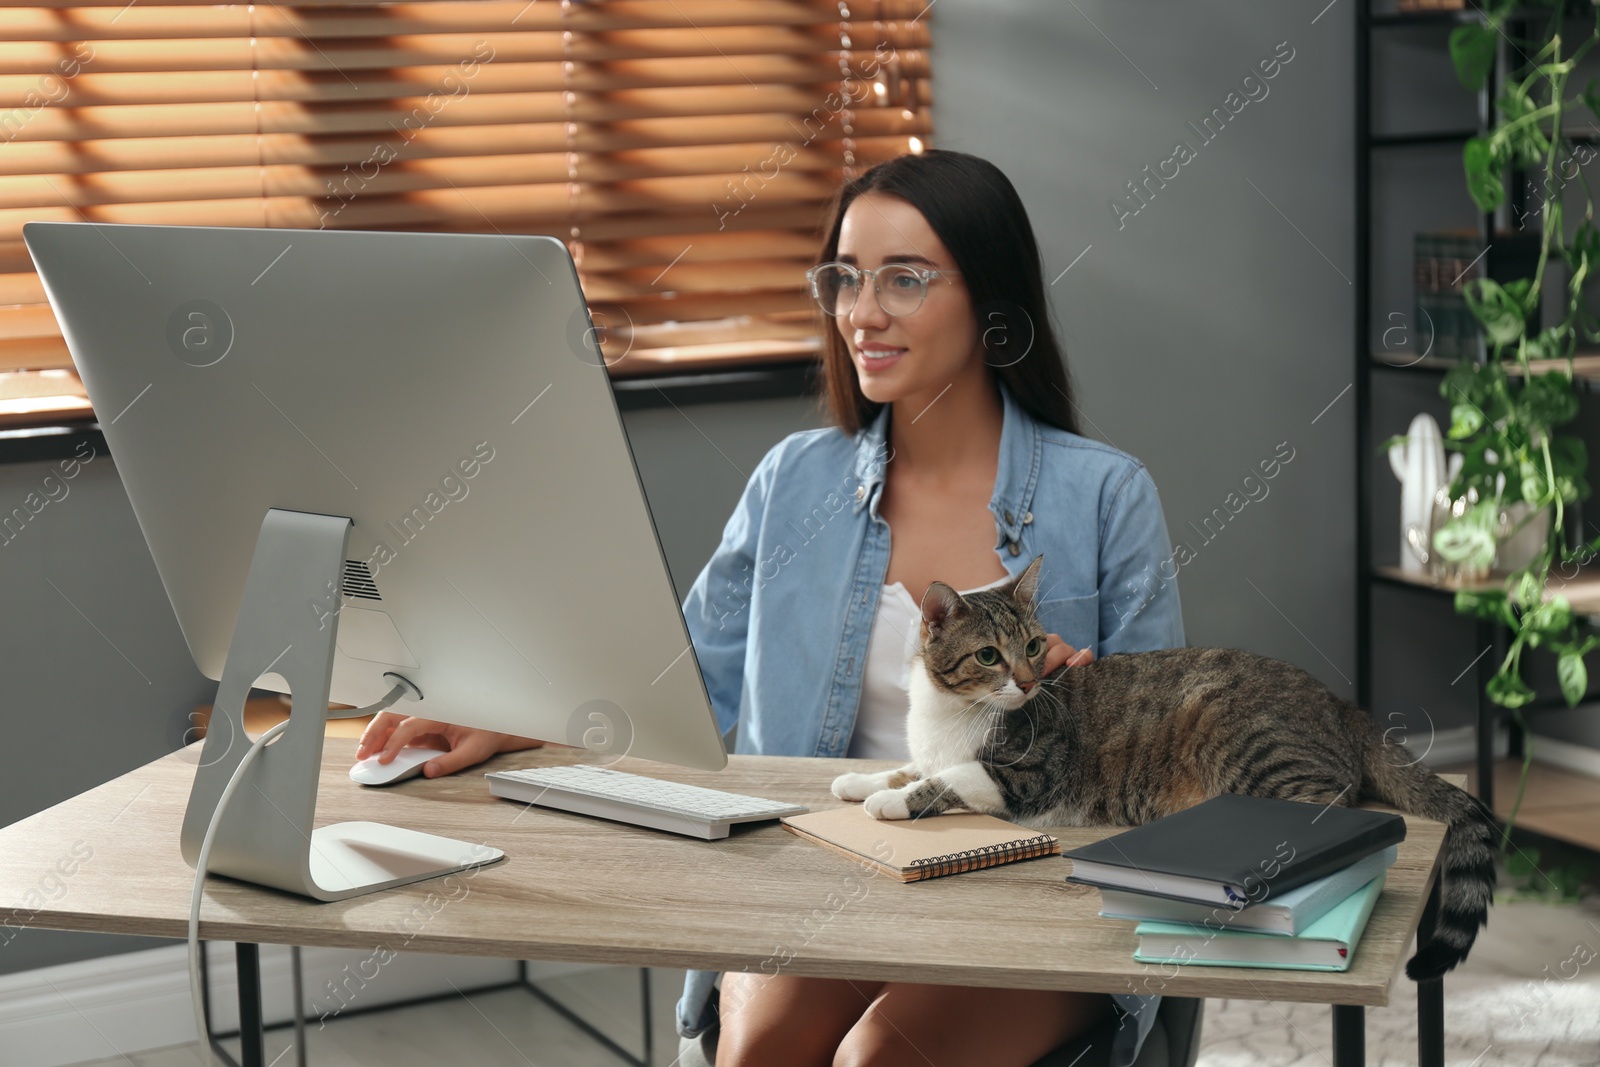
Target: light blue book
x=1285, y=915
x=1329, y=944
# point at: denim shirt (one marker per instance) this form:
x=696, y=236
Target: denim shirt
x=804, y=556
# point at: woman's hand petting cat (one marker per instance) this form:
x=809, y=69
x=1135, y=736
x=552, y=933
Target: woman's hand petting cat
x=389, y=732
x=1058, y=653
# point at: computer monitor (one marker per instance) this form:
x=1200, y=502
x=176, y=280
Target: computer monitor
x=370, y=459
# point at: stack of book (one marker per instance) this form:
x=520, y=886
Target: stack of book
x=1246, y=881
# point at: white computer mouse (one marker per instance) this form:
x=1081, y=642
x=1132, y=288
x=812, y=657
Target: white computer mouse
x=407, y=763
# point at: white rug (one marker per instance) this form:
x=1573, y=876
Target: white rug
x=1528, y=996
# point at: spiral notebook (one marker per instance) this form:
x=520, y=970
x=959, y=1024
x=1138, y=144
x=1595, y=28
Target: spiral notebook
x=914, y=849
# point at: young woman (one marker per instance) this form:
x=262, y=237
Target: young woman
x=953, y=456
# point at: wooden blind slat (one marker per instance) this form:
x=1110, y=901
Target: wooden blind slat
x=34, y=353
x=724, y=162
x=20, y=290
x=46, y=390
x=704, y=248
x=509, y=202
x=27, y=322
x=760, y=215
x=602, y=8
x=117, y=154
x=769, y=272
x=92, y=89
x=700, y=307
x=97, y=123
x=710, y=357
x=797, y=327
x=21, y=285
x=131, y=22
x=351, y=57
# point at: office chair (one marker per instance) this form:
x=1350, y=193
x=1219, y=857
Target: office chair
x=1173, y=1041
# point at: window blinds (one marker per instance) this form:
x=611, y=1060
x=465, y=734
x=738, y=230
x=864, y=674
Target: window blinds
x=684, y=149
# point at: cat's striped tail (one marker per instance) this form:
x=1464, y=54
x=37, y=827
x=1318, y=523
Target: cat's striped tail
x=1391, y=774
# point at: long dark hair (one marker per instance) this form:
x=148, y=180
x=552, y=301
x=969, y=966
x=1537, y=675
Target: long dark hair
x=974, y=209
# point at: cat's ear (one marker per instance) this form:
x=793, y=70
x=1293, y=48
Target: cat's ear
x=940, y=604
x=1027, y=583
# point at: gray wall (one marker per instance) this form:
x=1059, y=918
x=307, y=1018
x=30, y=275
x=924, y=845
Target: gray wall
x=98, y=679
x=695, y=460
x=1217, y=322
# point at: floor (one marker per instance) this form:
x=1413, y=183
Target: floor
x=1529, y=996
x=505, y=1028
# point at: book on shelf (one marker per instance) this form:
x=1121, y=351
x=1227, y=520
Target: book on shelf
x=1235, y=849
x=1284, y=915
x=1431, y=5
x=912, y=850
x=1329, y=944
x=1443, y=326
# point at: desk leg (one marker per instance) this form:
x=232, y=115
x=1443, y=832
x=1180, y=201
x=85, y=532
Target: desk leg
x=299, y=1006
x=644, y=1002
x=1430, y=993
x=1349, y=1035
x=1430, y=1023
x=247, y=958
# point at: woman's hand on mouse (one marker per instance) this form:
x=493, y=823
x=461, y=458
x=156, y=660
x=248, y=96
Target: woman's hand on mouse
x=389, y=732
x=1057, y=653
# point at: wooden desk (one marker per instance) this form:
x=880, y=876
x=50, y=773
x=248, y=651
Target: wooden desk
x=579, y=888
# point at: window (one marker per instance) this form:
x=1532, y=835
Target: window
x=685, y=149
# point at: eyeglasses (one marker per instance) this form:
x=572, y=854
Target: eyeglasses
x=900, y=288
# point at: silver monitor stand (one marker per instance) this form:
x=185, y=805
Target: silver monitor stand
x=266, y=835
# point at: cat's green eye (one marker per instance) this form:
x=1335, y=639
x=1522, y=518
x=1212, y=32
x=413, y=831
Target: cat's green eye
x=988, y=655
x=1034, y=646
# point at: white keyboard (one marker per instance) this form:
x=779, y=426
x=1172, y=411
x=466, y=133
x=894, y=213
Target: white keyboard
x=691, y=810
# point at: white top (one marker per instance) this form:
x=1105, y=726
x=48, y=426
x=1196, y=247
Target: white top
x=880, y=731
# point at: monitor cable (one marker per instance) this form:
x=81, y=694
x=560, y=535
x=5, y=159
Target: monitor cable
x=403, y=688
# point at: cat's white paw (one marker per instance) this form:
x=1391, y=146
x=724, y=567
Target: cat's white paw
x=855, y=786
x=887, y=804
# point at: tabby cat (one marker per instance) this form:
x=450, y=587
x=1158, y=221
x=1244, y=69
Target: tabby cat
x=1133, y=736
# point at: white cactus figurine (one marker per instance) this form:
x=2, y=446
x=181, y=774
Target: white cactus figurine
x=1420, y=466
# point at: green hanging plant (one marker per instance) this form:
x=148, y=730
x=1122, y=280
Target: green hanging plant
x=1504, y=425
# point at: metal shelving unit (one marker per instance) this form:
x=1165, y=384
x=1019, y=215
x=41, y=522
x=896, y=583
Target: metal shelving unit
x=1586, y=597
x=1367, y=143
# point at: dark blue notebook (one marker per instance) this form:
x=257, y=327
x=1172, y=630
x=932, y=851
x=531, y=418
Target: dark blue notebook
x=1235, y=850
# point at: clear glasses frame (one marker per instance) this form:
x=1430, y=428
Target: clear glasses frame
x=897, y=302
